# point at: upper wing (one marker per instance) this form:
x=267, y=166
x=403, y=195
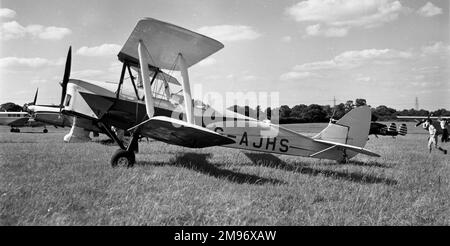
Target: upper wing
x=165, y=42
x=181, y=133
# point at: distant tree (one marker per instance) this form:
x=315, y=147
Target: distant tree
x=10, y=107
x=298, y=111
x=285, y=111
x=441, y=112
x=360, y=102
x=328, y=110
x=413, y=112
x=339, y=111
x=385, y=113
x=374, y=117
x=315, y=113
x=349, y=105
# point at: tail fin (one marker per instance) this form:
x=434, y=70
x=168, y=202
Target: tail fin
x=352, y=129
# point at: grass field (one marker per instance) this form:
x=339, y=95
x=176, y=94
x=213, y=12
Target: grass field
x=44, y=181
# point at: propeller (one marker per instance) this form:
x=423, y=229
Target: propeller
x=35, y=96
x=419, y=122
x=25, y=106
x=66, y=77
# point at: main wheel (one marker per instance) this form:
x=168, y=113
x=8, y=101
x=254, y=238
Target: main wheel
x=45, y=130
x=123, y=158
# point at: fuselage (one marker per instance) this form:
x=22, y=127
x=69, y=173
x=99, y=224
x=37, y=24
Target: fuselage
x=18, y=119
x=97, y=102
x=50, y=115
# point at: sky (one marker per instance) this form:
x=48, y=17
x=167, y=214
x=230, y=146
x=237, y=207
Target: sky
x=385, y=51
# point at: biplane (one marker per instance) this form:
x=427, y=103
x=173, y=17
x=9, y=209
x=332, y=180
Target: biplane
x=152, y=110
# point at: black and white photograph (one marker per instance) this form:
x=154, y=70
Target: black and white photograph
x=252, y=114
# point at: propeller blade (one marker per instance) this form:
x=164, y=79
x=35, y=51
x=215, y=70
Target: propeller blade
x=35, y=96
x=66, y=76
x=419, y=123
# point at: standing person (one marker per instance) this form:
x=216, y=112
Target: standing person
x=444, y=126
x=433, y=139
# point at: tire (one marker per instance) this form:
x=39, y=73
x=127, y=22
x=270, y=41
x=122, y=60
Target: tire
x=123, y=158
x=45, y=130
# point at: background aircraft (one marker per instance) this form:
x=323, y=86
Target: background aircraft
x=35, y=116
x=379, y=129
x=48, y=114
x=19, y=119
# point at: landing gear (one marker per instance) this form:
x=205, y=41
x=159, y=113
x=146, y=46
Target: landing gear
x=344, y=159
x=123, y=158
x=45, y=130
x=125, y=155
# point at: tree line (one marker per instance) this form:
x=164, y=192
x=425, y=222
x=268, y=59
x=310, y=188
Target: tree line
x=302, y=113
x=323, y=113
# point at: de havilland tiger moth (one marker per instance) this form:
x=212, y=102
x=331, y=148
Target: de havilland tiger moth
x=154, y=46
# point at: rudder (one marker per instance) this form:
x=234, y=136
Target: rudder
x=352, y=129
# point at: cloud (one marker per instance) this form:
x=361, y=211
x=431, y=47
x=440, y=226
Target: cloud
x=230, y=33
x=429, y=10
x=436, y=48
x=87, y=73
x=13, y=30
x=248, y=77
x=48, y=33
x=355, y=58
x=115, y=67
x=315, y=30
x=286, y=39
x=337, y=17
x=54, y=33
x=364, y=79
x=102, y=50
x=207, y=62
x=7, y=13
x=293, y=75
x=24, y=63
x=38, y=81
